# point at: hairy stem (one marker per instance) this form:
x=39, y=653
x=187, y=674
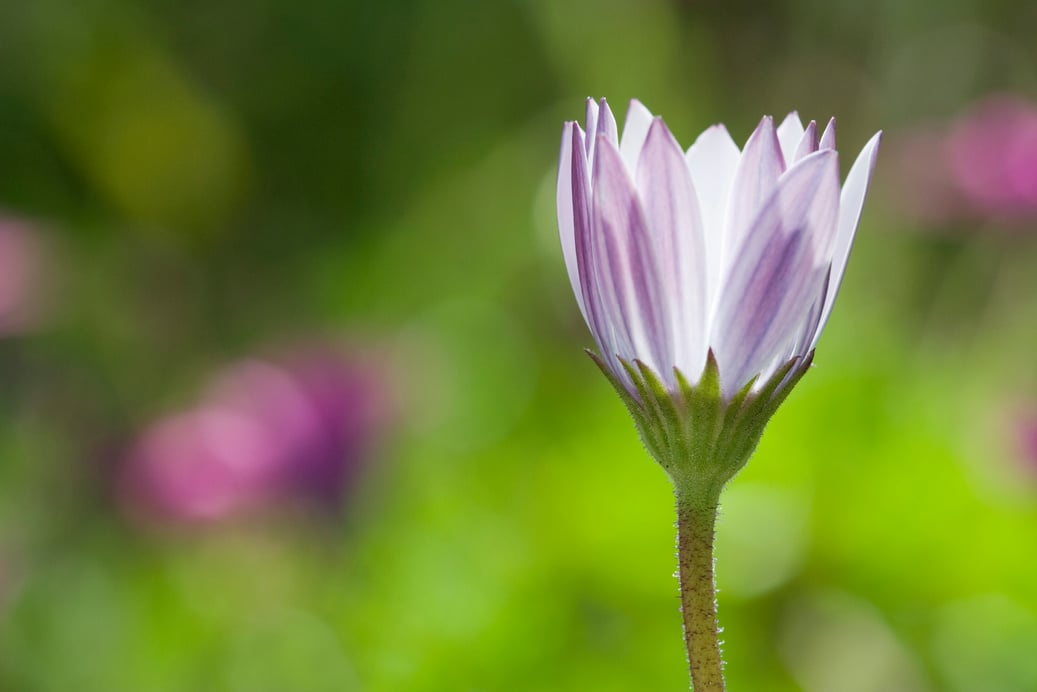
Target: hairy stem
x=696, y=519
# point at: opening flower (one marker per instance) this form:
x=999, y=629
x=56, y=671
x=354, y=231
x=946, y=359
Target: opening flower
x=674, y=254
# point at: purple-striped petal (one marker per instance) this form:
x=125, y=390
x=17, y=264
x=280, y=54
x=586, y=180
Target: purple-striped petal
x=672, y=213
x=812, y=321
x=822, y=237
x=635, y=130
x=604, y=126
x=828, y=136
x=584, y=243
x=775, y=277
x=850, y=205
x=628, y=274
x=755, y=179
x=807, y=143
x=607, y=124
x=789, y=133
x=564, y=202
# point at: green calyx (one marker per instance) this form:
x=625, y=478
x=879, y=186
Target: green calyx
x=698, y=438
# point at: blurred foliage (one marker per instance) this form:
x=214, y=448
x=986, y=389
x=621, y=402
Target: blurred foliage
x=213, y=178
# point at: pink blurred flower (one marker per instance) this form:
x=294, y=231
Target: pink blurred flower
x=266, y=435
x=983, y=165
x=992, y=152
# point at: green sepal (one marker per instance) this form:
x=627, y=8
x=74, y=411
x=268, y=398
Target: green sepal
x=649, y=433
x=700, y=439
x=704, y=410
x=662, y=405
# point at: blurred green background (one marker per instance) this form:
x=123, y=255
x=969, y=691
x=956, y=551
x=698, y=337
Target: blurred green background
x=202, y=182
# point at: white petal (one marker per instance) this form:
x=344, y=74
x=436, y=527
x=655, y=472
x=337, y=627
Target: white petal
x=671, y=209
x=635, y=130
x=591, y=123
x=712, y=160
x=851, y=202
x=789, y=133
x=775, y=277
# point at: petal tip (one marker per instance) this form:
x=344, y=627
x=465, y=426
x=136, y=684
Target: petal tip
x=828, y=136
x=765, y=128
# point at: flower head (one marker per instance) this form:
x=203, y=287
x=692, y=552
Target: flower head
x=711, y=270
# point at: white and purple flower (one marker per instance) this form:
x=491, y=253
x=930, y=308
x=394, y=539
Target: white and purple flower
x=714, y=264
x=672, y=253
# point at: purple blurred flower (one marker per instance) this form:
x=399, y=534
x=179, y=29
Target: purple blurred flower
x=265, y=435
x=673, y=255
x=992, y=152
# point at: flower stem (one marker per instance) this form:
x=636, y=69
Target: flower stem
x=696, y=519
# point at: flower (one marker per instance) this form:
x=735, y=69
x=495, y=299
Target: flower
x=992, y=153
x=706, y=276
x=979, y=167
x=265, y=435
